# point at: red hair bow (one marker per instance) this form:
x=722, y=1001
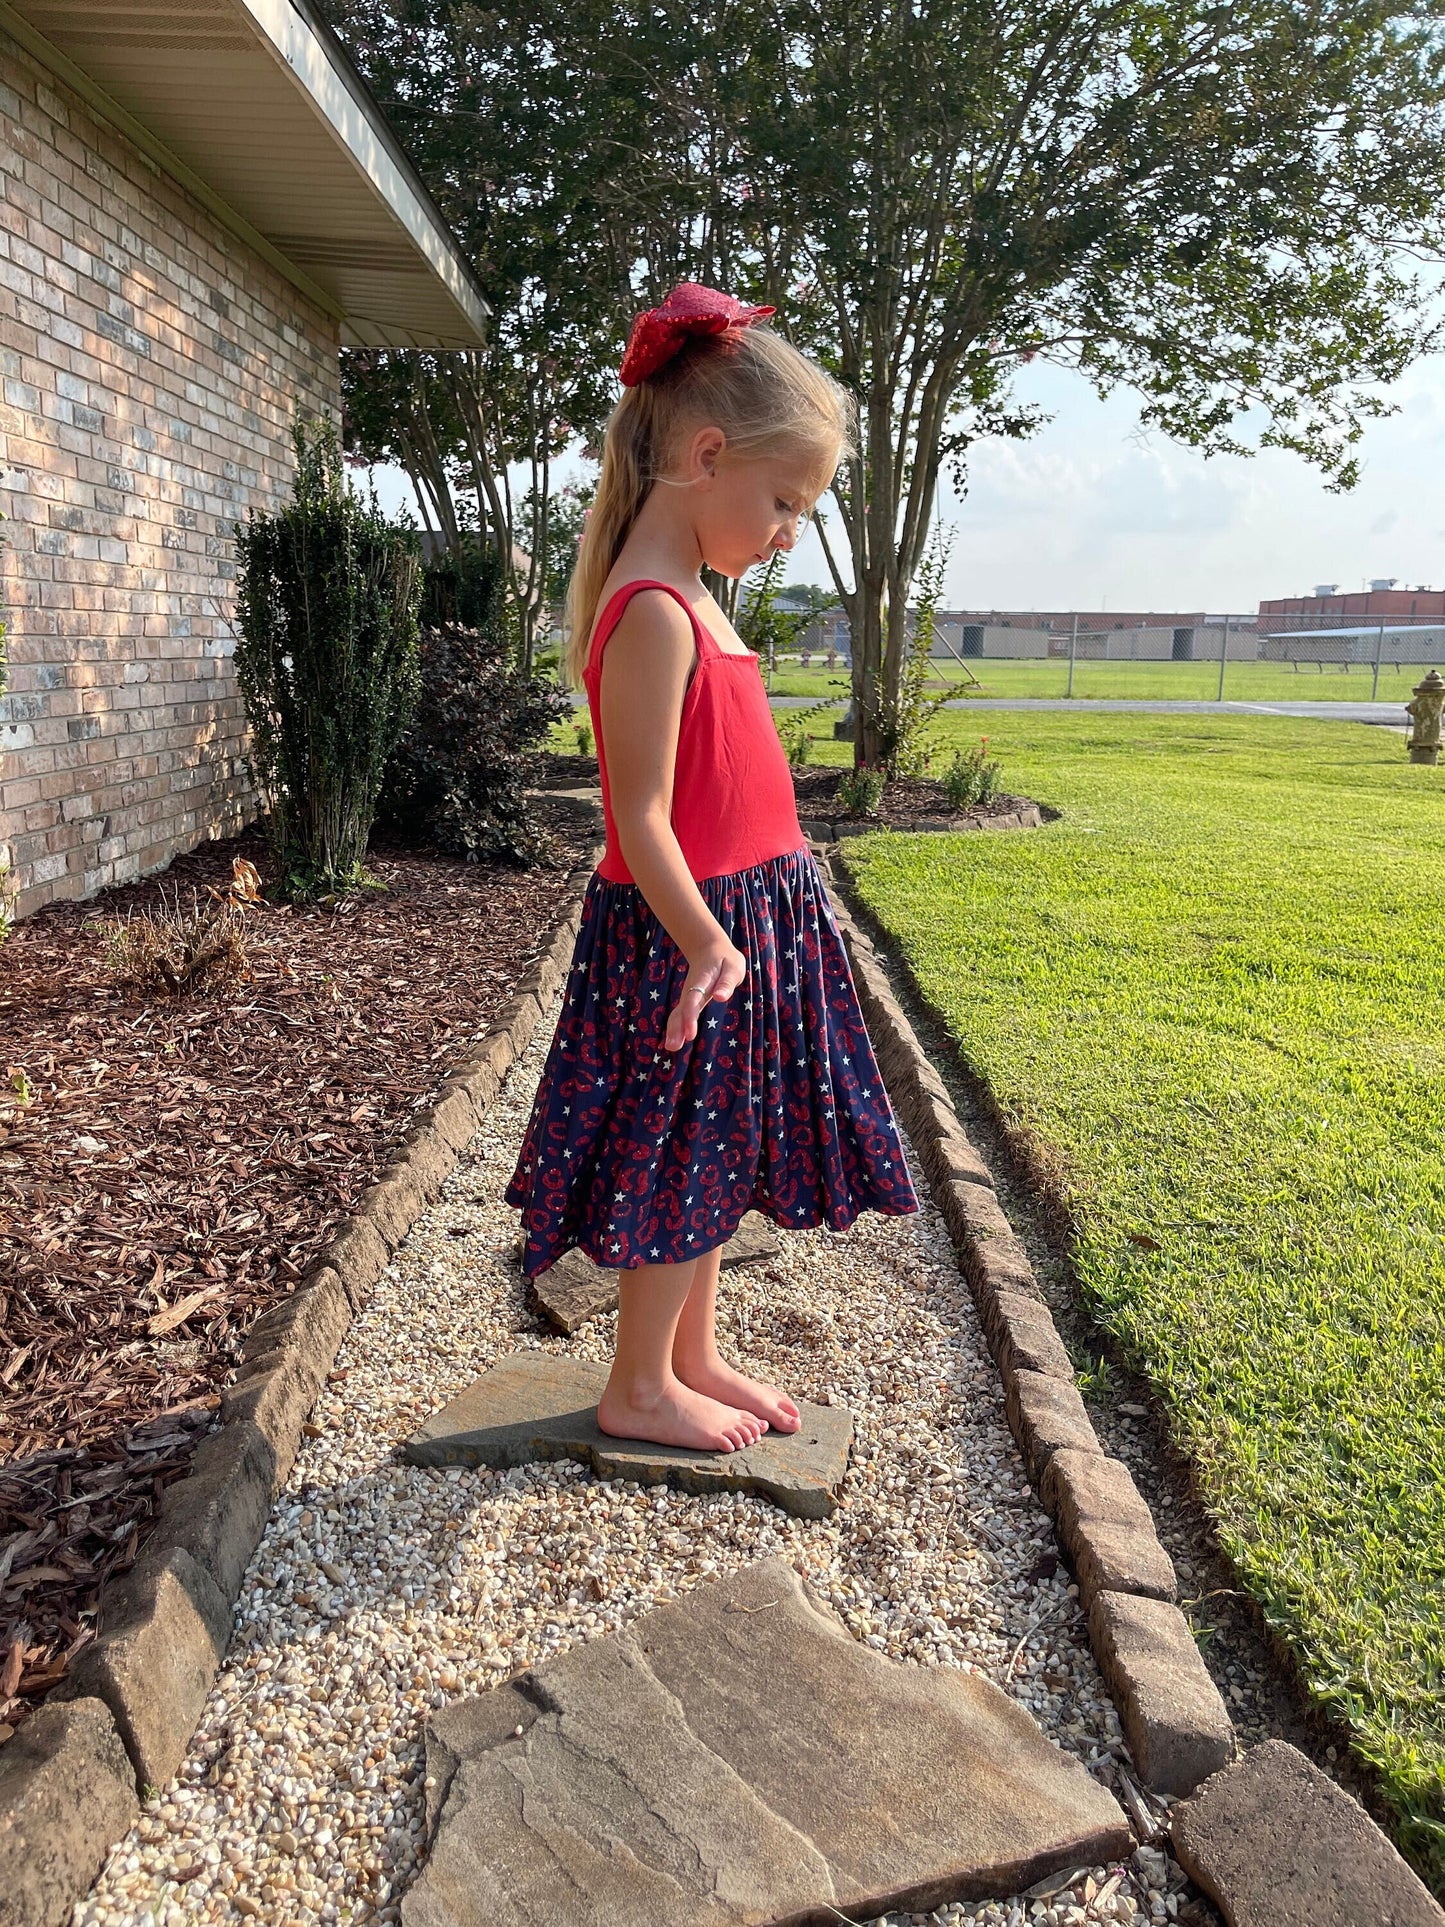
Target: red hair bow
x=690, y=309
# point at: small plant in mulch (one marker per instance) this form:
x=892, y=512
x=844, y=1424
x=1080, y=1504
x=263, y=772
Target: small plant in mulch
x=971, y=777
x=584, y=739
x=860, y=789
x=798, y=743
x=184, y=949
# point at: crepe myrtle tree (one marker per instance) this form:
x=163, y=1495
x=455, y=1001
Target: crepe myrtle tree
x=1221, y=206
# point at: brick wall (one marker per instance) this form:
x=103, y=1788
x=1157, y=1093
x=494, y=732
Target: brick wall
x=151, y=364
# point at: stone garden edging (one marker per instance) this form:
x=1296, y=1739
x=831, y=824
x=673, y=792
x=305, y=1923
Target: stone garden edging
x=71, y=1779
x=1172, y=1713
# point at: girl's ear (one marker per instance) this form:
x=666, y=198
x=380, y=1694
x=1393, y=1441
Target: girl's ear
x=704, y=453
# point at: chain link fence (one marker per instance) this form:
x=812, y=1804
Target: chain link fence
x=1228, y=656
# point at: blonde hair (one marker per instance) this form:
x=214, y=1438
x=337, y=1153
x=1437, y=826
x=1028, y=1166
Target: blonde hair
x=755, y=386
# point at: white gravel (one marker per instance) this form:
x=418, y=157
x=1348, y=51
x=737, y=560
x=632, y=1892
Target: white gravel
x=381, y=1591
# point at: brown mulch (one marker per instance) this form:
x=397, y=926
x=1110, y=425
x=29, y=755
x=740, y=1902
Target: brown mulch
x=906, y=800
x=181, y=1159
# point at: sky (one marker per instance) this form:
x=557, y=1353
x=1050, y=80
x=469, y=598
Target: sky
x=1091, y=513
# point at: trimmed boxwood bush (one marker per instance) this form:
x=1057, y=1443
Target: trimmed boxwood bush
x=326, y=661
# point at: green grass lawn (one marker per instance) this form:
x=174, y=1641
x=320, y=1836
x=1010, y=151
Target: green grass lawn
x=1211, y=995
x=1250, y=682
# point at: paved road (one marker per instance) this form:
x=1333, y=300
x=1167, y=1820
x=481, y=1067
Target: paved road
x=1386, y=715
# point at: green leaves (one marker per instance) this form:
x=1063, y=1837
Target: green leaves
x=326, y=662
x=1219, y=206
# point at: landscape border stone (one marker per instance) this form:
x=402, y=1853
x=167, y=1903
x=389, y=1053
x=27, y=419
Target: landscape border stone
x=1047, y=1415
x=1024, y=1336
x=67, y=1790
x=1172, y=1716
x=1276, y=1843
x=1104, y=1526
x=71, y=1777
x=168, y=1625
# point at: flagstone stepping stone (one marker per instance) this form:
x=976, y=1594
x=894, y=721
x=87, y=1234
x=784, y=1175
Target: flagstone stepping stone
x=577, y=1288
x=737, y=1759
x=538, y=1405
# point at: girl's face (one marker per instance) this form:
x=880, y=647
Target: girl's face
x=749, y=506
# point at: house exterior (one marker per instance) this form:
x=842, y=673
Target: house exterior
x=199, y=204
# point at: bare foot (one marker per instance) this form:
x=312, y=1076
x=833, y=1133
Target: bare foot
x=678, y=1415
x=717, y=1380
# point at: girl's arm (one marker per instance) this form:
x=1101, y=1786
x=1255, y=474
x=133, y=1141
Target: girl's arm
x=644, y=679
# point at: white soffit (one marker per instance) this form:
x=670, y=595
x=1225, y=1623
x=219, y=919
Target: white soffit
x=255, y=108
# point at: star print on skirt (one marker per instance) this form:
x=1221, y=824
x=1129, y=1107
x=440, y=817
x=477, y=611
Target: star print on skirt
x=642, y=1156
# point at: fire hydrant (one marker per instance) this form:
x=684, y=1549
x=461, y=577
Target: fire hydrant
x=1424, y=739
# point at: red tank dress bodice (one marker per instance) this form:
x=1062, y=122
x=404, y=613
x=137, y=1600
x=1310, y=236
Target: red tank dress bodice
x=733, y=804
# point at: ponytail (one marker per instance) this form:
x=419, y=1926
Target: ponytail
x=622, y=488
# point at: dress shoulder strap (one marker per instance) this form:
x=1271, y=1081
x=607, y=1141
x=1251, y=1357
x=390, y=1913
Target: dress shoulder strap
x=618, y=601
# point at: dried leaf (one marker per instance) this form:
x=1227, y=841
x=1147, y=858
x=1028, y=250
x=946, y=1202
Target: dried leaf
x=177, y=1314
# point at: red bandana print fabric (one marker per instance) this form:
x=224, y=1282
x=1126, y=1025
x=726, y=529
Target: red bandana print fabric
x=691, y=309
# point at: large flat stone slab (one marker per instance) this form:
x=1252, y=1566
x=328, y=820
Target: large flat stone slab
x=577, y=1288
x=1275, y=1843
x=535, y=1405
x=737, y=1759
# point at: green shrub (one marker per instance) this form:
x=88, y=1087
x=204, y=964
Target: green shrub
x=457, y=777
x=860, y=789
x=584, y=739
x=971, y=778
x=904, y=749
x=798, y=742
x=461, y=587
x=326, y=661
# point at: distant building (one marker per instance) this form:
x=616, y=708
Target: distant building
x=1061, y=621
x=1328, y=608
x=1095, y=635
x=1392, y=644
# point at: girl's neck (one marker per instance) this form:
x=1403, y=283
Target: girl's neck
x=663, y=543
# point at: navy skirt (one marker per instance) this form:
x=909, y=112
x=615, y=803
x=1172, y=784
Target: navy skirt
x=643, y=1156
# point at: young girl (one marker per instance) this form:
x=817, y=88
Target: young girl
x=710, y=1057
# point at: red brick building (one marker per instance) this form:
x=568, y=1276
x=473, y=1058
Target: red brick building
x=1328, y=607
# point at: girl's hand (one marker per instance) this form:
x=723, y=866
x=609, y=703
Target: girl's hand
x=714, y=975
